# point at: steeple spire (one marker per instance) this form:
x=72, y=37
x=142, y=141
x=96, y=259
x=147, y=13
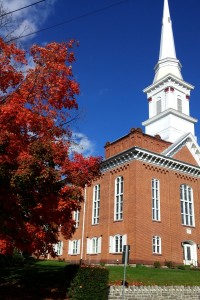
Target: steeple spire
x=167, y=47
x=168, y=96
x=168, y=63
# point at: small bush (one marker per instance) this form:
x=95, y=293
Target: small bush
x=89, y=283
x=70, y=273
x=169, y=264
x=181, y=267
x=139, y=266
x=157, y=265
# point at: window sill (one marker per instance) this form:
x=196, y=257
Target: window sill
x=188, y=226
x=118, y=220
x=157, y=254
x=156, y=221
x=95, y=224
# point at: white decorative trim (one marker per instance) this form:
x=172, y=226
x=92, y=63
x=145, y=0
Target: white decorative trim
x=166, y=113
x=139, y=154
x=169, y=78
x=186, y=140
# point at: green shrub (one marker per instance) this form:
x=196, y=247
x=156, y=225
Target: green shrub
x=181, y=267
x=70, y=272
x=169, y=264
x=157, y=264
x=89, y=283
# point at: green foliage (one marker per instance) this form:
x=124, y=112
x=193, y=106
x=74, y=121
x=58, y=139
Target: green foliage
x=181, y=267
x=157, y=264
x=70, y=272
x=90, y=283
x=169, y=264
x=152, y=276
x=17, y=259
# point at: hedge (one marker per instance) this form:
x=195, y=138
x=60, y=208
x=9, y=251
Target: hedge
x=89, y=283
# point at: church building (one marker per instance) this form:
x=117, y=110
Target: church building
x=148, y=195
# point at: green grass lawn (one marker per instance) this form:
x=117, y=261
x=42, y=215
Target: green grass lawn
x=152, y=276
x=39, y=280
x=47, y=279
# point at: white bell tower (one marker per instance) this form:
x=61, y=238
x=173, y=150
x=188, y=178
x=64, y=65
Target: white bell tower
x=169, y=95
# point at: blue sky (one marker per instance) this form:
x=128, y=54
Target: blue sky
x=119, y=47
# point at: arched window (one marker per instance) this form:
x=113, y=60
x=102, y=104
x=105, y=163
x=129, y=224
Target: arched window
x=155, y=191
x=158, y=106
x=156, y=245
x=187, y=207
x=117, y=242
x=77, y=217
x=179, y=104
x=119, y=192
x=96, y=204
x=94, y=245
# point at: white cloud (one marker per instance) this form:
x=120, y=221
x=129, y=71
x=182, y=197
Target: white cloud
x=82, y=144
x=29, y=19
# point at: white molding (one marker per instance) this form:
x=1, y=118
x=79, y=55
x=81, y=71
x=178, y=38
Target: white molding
x=160, y=160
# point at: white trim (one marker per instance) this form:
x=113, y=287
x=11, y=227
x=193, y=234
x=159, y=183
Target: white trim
x=137, y=153
x=96, y=204
x=119, y=198
x=156, y=245
x=155, y=196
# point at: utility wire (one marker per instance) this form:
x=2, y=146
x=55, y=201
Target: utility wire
x=10, y=12
x=71, y=20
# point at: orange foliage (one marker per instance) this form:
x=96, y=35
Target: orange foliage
x=41, y=181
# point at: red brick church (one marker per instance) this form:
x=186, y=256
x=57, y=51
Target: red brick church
x=148, y=196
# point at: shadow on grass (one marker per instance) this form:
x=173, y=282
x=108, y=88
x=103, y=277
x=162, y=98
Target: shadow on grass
x=39, y=281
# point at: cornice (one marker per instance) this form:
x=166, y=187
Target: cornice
x=170, y=78
x=139, y=154
x=169, y=111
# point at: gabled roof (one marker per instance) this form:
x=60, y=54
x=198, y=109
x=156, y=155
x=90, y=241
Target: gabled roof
x=185, y=140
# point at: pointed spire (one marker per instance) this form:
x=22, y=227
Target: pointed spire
x=167, y=47
x=168, y=63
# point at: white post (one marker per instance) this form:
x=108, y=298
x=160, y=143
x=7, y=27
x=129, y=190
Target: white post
x=125, y=264
x=83, y=227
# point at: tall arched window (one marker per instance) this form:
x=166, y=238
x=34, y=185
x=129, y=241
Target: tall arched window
x=119, y=192
x=179, y=104
x=155, y=191
x=187, y=207
x=96, y=204
x=158, y=106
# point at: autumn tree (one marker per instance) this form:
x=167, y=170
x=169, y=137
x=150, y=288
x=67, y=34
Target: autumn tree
x=41, y=180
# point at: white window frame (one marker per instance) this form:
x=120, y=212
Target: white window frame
x=155, y=194
x=77, y=217
x=58, y=248
x=74, y=247
x=187, y=205
x=156, y=245
x=96, y=204
x=94, y=245
x=119, y=198
x=117, y=242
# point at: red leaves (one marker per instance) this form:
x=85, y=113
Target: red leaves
x=40, y=184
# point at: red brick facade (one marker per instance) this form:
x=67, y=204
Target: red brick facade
x=137, y=158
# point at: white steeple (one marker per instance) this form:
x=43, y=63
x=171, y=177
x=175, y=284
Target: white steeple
x=168, y=96
x=168, y=62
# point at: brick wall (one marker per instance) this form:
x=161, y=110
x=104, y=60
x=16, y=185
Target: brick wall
x=155, y=292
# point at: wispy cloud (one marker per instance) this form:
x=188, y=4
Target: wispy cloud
x=29, y=19
x=82, y=144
